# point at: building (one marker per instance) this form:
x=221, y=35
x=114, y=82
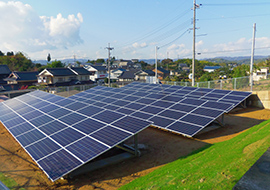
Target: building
x=97, y=73
x=142, y=74
x=261, y=74
x=116, y=73
x=4, y=73
x=210, y=69
x=26, y=78
x=127, y=76
x=64, y=76
x=162, y=73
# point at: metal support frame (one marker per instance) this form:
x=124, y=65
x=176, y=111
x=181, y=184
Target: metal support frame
x=221, y=123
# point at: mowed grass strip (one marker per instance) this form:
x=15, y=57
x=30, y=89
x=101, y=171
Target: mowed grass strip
x=217, y=166
x=7, y=181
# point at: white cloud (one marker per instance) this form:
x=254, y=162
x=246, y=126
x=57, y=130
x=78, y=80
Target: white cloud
x=137, y=45
x=22, y=29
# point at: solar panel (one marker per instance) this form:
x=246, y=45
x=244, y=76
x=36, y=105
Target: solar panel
x=64, y=134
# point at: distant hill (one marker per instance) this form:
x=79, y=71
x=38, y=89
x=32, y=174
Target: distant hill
x=239, y=60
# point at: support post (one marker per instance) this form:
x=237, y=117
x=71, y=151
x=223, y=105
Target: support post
x=109, y=63
x=136, y=144
x=252, y=57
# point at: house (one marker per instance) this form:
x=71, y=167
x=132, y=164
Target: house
x=162, y=73
x=116, y=73
x=4, y=73
x=64, y=76
x=186, y=69
x=26, y=78
x=261, y=74
x=127, y=76
x=210, y=69
x=142, y=74
x=176, y=72
x=98, y=73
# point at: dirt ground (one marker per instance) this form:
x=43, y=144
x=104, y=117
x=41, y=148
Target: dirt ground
x=161, y=148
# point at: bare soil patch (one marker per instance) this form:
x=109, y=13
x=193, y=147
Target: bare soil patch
x=162, y=147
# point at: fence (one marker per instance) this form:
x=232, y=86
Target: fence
x=241, y=84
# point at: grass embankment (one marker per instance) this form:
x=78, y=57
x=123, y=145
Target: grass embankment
x=9, y=182
x=217, y=166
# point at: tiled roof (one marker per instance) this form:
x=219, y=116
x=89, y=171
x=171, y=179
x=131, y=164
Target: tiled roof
x=163, y=70
x=61, y=71
x=4, y=70
x=26, y=75
x=80, y=70
x=100, y=68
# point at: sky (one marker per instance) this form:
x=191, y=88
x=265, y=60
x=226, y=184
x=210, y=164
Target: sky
x=84, y=28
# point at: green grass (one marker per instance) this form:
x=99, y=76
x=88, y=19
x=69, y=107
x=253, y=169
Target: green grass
x=217, y=166
x=9, y=182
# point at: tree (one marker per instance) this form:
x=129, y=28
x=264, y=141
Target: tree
x=49, y=57
x=55, y=64
x=1, y=53
x=10, y=53
x=100, y=61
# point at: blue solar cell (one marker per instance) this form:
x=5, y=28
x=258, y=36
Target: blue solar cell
x=141, y=115
x=42, y=148
x=193, y=102
x=156, y=96
x=87, y=148
x=108, y=116
x=213, y=95
x=184, y=128
x=52, y=127
x=64, y=102
x=233, y=98
x=58, y=164
x=195, y=119
x=90, y=110
x=221, y=91
x=8, y=116
x=55, y=99
x=66, y=136
x=49, y=108
x=121, y=103
x=89, y=126
x=38, y=121
x=130, y=98
x=183, y=107
x=131, y=124
x=97, y=97
x=21, y=128
x=118, y=96
x=59, y=112
x=90, y=101
x=161, y=122
x=99, y=104
x=127, y=92
x=173, y=98
x=40, y=104
x=145, y=101
x=32, y=114
x=110, y=136
x=125, y=111
x=111, y=107
x=163, y=104
x=141, y=94
x=108, y=100
x=151, y=110
x=72, y=118
x=218, y=105
x=172, y=114
x=198, y=94
x=208, y=112
x=75, y=106
x=134, y=106
x=30, y=137
x=239, y=93
x=13, y=122
x=188, y=88
x=24, y=110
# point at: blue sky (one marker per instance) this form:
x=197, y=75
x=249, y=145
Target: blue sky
x=65, y=28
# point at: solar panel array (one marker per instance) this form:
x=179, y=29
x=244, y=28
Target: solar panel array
x=172, y=112
x=62, y=134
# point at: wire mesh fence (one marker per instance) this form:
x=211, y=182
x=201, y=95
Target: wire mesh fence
x=241, y=84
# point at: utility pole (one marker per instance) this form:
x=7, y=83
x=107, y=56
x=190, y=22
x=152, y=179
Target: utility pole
x=156, y=64
x=109, y=63
x=252, y=56
x=195, y=6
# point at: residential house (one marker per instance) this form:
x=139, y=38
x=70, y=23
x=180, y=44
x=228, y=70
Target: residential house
x=261, y=74
x=4, y=73
x=142, y=74
x=98, y=73
x=187, y=69
x=64, y=76
x=161, y=73
x=116, y=73
x=210, y=69
x=26, y=78
x=127, y=76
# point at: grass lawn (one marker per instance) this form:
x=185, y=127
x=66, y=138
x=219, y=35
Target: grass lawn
x=217, y=166
x=7, y=181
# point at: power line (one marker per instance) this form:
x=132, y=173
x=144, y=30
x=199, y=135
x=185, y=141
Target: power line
x=236, y=4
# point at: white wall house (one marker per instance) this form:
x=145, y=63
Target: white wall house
x=261, y=74
x=98, y=73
